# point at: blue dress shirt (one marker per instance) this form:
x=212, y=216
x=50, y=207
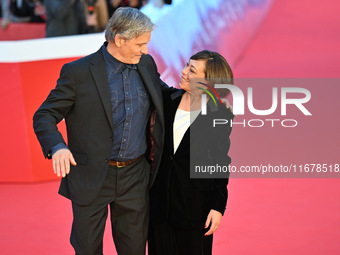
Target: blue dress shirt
x=130, y=108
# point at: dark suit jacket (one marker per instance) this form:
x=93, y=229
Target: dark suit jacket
x=175, y=197
x=82, y=97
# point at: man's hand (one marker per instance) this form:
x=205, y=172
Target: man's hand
x=227, y=104
x=214, y=217
x=61, y=160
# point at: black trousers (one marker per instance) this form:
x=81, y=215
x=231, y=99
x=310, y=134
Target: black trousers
x=126, y=191
x=165, y=239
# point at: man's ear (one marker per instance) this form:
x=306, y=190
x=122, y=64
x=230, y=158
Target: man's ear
x=118, y=40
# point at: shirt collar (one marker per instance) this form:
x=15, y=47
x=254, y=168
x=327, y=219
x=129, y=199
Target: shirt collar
x=115, y=64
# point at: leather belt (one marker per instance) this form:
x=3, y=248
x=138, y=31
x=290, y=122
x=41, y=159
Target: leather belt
x=123, y=163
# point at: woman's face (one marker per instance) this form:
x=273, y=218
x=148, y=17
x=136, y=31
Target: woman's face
x=194, y=69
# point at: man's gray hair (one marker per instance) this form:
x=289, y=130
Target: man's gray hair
x=128, y=23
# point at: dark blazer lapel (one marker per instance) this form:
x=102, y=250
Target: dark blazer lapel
x=171, y=113
x=195, y=124
x=185, y=140
x=98, y=70
x=186, y=137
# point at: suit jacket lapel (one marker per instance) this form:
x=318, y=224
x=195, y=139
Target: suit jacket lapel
x=195, y=124
x=98, y=70
x=171, y=114
x=186, y=137
x=171, y=118
x=185, y=140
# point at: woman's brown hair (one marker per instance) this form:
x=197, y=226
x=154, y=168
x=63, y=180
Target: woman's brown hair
x=217, y=69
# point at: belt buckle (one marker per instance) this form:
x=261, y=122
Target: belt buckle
x=119, y=164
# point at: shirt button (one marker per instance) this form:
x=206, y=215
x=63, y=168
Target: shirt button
x=126, y=124
x=124, y=140
x=121, y=155
x=128, y=108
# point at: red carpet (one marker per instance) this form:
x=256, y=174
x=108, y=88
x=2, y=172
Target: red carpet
x=264, y=216
x=298, y=39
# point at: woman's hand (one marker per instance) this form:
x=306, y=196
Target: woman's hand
x=214, y=217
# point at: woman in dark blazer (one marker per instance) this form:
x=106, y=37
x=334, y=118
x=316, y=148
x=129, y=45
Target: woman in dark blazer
x=186, y=211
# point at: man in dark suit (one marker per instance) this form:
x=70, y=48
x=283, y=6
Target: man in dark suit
x=112, y=104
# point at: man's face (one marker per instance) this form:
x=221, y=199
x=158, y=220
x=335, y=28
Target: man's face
x=130, y=51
